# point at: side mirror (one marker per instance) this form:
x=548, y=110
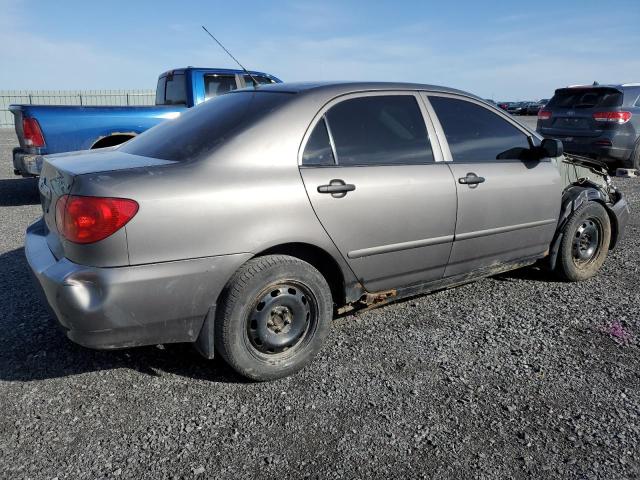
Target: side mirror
x=552, y=147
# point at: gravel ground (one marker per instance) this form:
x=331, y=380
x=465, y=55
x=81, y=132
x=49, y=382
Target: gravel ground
x=517, y=376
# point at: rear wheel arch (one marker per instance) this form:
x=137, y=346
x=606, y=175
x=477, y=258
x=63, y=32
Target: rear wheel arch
x=112, y=140
x=321, y=260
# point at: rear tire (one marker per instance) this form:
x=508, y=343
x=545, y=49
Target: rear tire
x=585, y=243
x=274, y=315
x=635, y=157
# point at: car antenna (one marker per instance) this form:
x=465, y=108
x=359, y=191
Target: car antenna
x=255, y=82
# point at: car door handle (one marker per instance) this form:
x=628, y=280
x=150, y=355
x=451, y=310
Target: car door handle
x=471, y=179
x=337, y=188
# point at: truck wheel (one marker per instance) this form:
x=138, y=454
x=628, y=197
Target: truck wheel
x=274, y=315
x=585, y=243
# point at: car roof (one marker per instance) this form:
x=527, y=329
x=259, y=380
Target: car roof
x=332, y=89
x=229, y=71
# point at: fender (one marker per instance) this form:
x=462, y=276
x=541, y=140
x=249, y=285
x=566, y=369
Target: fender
x=573, y=198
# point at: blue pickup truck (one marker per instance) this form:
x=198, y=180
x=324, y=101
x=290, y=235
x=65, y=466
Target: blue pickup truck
x=48, y=129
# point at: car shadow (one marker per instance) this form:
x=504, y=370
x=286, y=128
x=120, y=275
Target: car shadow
x=34, y=347
x=19, y=191
x=533, y=273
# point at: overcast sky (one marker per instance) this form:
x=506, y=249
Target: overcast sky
x=503, y=50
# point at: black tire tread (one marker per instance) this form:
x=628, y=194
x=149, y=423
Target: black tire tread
x=565, y=268
x=232, y=294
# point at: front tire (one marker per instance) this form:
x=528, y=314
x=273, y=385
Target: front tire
x=585, y=243
x=274, y=315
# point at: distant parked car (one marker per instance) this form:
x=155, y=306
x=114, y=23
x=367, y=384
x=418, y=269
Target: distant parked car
x=47, y=129
x=598, y=121
x=532, y=108
x=246, y=222
x=503, y=105
x=517, y=108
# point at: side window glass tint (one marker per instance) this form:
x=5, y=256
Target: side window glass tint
x=318, y=149
x=215, y=85
x=476, y=134
x=379, y=130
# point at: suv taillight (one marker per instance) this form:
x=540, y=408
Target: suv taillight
x=544, y=115
x=91, y=219
x=32, y=133
x=616, y=117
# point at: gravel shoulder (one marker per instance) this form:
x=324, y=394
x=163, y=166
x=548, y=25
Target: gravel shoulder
x=517, y=376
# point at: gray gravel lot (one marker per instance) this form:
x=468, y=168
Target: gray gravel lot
x=517, y=376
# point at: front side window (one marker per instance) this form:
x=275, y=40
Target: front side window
x=262, y=80
x=379, y=130
x=176, y=90
x=475, y=134
x=215, y=85
x=318, y=149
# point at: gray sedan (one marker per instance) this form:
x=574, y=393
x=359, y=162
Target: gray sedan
x=245, y=224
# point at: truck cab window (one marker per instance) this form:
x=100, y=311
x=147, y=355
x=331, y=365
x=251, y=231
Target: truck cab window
x=215, y=85
x=259, y=78
x=176, y=90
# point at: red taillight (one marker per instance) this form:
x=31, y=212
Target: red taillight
x=616, y=117
x=544, y=115
x=91, y=219
x=32, y=133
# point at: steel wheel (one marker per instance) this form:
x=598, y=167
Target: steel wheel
x=282, y=319
x=586, y=241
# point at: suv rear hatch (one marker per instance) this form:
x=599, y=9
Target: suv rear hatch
x=578, y=111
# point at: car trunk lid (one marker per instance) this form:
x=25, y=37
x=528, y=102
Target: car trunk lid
x=60, y=171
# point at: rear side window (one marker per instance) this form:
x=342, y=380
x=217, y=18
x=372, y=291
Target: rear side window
x=379, y=130
x=215, y=85
x=585, y=98
x=200, y=130
x=318, y=149
x=475, y=134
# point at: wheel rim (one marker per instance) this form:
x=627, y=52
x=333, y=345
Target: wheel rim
x=282, y=320
x=586, y=242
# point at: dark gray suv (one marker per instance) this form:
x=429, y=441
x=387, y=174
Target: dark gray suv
x=598, y=121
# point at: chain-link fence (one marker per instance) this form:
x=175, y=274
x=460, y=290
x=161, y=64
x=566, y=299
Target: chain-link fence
x=71, y=97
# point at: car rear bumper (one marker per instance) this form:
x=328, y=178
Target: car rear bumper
x=603, y=147
x=129, y=306
x=26, y=163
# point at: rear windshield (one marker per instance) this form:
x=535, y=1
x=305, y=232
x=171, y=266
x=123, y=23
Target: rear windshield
x=585, y=98
x=199, y=130
x=172, y=90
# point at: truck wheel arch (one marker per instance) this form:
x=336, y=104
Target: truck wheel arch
x=112, y=139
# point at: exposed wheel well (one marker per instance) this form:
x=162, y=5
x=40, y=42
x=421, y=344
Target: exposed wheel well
x=321, y=260
x=111, y=140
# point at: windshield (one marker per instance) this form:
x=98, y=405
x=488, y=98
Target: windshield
x=200, y=130
x=586, y=98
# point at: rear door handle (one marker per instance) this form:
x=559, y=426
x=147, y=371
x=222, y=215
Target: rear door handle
x=471, y=179
x=337, y=188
